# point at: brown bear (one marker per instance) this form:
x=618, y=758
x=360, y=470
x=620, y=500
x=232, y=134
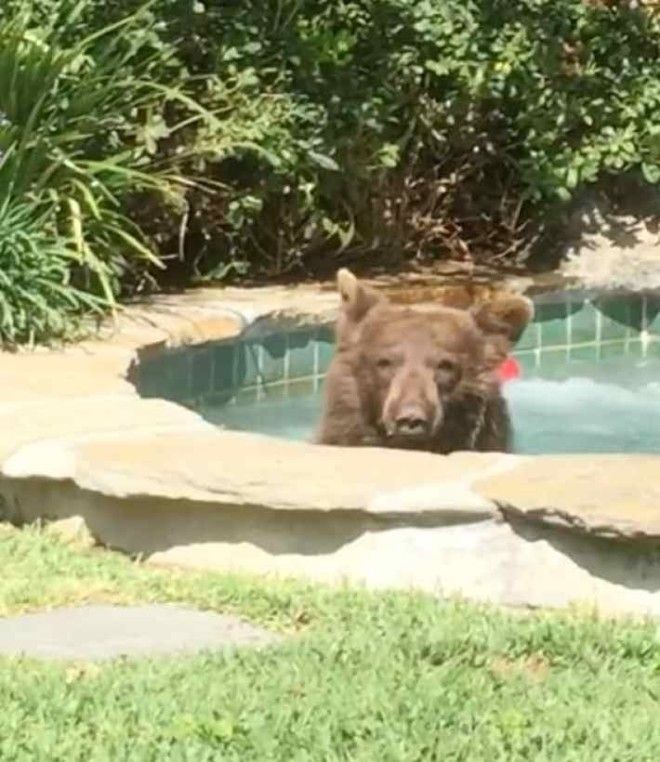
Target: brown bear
x=423, y=380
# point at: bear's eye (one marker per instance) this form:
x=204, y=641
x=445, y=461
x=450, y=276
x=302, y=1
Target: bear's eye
x=446, y=366
x=383, y=363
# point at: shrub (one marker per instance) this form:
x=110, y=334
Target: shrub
x=376, y=130
x=413, y=127
x=75, y=122
x=37, y=298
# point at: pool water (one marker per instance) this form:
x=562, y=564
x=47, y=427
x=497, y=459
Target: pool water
x=590, y=380
x=600, y=406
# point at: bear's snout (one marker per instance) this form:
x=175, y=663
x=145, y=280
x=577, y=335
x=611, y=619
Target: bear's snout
x=412, y=408
x=412, y=421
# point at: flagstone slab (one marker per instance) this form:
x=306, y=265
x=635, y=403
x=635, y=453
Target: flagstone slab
x=604, y=495
x=97, y=633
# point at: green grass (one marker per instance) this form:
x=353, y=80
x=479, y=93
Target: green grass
x=362, y=677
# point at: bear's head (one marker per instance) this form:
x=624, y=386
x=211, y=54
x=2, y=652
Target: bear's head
x=410, y=364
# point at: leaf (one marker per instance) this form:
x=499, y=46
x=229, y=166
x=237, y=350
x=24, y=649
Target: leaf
x=326, y=162
x=389, y=155
x=651, y=173
x=572, y=177
x=76, y=226
x=440, y=68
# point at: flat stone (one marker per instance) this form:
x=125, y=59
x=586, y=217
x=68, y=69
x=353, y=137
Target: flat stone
x=607, y=495
x=73, y=531
x=56, y=376
x=100, y=415
x=497, y=562
x=93, y=633
x=185, y=317
x=253, y=496
x=185, y=324
x=414, y=536
x=615, y=251
x=238, y=469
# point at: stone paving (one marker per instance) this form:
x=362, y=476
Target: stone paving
x=96, y=633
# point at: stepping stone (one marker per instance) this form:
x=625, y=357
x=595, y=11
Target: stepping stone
x=91, y=633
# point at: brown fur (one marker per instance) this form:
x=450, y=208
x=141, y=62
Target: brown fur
x=416, y=380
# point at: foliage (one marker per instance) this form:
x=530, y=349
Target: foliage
x=371, y=130
x=362, y=676
x=37, y=297
x=414, y=128
x=75, y=121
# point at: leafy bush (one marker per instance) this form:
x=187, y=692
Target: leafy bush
x=74, y=137
x=37, y=298
x=403, y=128
x=372, y=129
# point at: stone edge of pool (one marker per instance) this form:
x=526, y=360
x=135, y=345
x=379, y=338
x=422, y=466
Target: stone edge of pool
x=152, y=478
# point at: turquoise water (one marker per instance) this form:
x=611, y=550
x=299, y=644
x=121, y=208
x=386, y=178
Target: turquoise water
x=591, y=376
x=611, y=405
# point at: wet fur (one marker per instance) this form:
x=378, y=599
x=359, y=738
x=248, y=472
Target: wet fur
x=475, y=415
x=345, y=423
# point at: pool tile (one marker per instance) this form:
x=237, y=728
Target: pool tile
x=636, y=313
x=635, y=348
x=617, y=317
x=278, y=391
x=326, y=333
x=531, y=337
x=553, y=321
x=223, y=367
x=653, y=349
x=554, y=333
x=613, y=349
x=301, y=354
x=586, y=352
x=216, y=399
x=152, y=377
x=247, y=364
x=273, y=352
x=549, y=311
x=552, y=363
x=178, y=376
x=302, y=387
x=527, y=360
x=325, y=348
x=583, y=324
x=201, y=371
x=653, y=314
x=246, y=396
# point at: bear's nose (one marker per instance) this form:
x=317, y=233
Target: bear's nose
x=411, y=423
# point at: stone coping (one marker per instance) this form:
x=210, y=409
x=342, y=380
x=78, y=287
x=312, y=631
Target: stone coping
x=153, y=478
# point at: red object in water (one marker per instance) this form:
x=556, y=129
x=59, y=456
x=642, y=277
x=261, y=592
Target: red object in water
x=509, y=370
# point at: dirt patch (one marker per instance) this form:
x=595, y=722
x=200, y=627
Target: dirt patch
x=534, y=667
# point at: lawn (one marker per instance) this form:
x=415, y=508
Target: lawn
x=361, y=677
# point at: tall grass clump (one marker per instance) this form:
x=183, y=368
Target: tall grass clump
x=75, y=119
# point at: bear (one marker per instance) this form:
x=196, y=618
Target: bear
x=419, y=379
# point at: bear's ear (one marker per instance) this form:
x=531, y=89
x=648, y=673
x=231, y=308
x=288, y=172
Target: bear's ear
x=356, y=298
x=505, y=316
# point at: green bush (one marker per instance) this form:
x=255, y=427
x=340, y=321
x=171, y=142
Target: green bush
x=403, y=128
x=378, y=130
x=37, y=297
x=75, y=121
